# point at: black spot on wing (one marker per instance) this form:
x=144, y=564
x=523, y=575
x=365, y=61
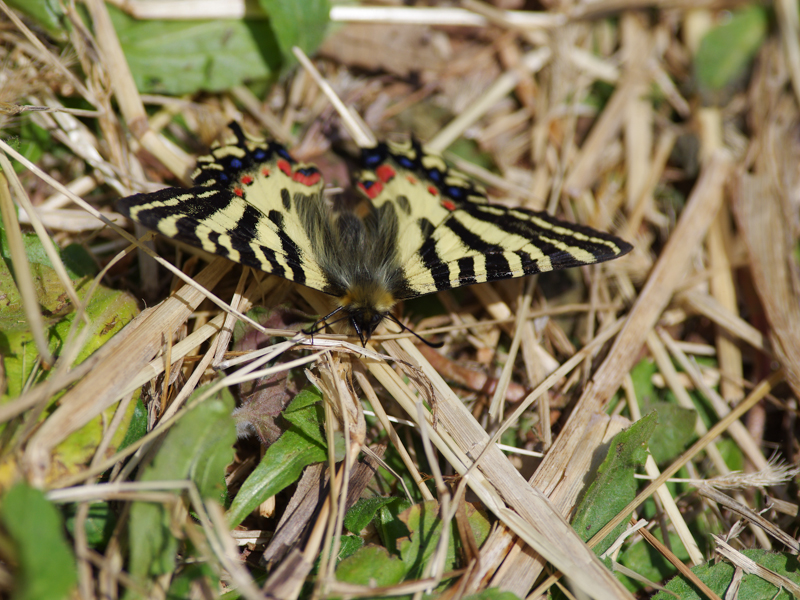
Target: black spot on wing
x=244, y=234
x=438, y=270
x=497, y=266
x=466, y=270
x=529, y=265
x=290, y=249
x=213, y=237
x=286, y=199
x=275, y=266
x=404, y=204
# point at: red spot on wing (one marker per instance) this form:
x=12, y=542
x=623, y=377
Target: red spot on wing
x=432, y=190
x=238, y=191
x=385, y=173
x=371, y=191
x=306, y=179
x=284, y=166
x=449, y=205
x=411, y=179
x=247, y=180
x=265, y=171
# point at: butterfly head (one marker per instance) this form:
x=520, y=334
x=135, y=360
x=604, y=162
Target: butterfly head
x=366, y=306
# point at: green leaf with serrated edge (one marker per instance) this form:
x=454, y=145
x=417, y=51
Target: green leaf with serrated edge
x=183, y=57
x=718, y=577
x=425, y=527
x=198, y=447
x=302, y=444
x=726, y=51
x=372, y=565
x=363, y=511
x=300, y=24
x=614, y=485
x=33, y=534
x=676, y=430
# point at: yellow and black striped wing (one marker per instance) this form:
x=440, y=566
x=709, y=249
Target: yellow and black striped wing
x=246, y=205
x=450, y=235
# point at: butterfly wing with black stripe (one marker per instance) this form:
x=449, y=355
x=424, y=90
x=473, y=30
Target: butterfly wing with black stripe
x=450, y=235
x=246, y=205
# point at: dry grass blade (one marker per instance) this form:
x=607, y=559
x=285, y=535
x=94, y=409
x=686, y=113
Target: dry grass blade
x=763, y=223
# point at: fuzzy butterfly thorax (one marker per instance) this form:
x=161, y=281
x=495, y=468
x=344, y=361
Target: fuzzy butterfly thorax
x=428, y=227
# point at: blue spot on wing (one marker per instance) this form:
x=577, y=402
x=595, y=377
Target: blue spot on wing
x=284, y=154
x=372, y=157
x=456, y=193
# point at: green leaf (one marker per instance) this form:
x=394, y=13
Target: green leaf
x=676, y=429
x=45, y=565
x=614, y=486
x=294, y=23
x=100, y=523
x=642, y=378
x=389, y=525
x=372, y=565
x=302, y=444
x=47, y=13
x=189, y=576
x=108, y=311
x=425, y=527
x=183, y=57
x=726, y=51
x=718, y=577
x=137, y=428
x=363, y=511
x=648, y=562
x=198, y=448
x=348, y=545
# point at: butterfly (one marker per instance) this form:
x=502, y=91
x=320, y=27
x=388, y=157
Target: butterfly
x=426, y=226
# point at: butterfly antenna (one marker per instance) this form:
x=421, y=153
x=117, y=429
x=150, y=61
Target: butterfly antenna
x=414, y=333
x=316, y=327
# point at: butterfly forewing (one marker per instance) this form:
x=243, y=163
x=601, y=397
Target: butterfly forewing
x=244, y=207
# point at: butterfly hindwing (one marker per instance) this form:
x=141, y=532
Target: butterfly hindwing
x=245, y=206
x=452, y=236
